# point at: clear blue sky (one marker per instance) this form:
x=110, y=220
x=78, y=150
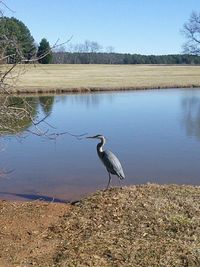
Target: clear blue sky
x=133, y=26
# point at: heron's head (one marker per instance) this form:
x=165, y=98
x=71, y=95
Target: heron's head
x=98, y=136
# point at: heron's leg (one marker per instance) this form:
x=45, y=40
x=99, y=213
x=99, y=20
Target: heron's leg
x=120, y=183
x=108, y=180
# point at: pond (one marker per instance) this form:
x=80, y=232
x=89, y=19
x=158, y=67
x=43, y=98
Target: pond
x=154, y=133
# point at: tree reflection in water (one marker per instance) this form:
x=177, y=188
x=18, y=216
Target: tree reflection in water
x=191, y=114
x=17, y=114
x=88, y=99
x=46, y=103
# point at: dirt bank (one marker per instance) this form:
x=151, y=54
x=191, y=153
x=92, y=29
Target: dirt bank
x=147, y=225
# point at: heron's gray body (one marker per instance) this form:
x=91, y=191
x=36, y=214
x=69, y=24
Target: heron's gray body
x=111, y=163
x=109, y=160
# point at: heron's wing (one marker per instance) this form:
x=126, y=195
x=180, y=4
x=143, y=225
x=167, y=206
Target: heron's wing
x=112, y=164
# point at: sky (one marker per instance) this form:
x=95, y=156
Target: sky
x=130, y=26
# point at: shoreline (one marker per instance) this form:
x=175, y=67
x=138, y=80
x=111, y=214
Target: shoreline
x=148, y=225
x=83, y=90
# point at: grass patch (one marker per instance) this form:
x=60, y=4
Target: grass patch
x=148, y=225
x=59, y=78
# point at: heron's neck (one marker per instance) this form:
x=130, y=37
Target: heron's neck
x=100, y=145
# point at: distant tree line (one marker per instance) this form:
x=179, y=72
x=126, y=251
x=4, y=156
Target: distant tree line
x=119, y=58
x=18, y=45
x=91, y=52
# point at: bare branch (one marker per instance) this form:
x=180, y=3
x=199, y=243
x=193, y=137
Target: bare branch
x=191, y=30
x=17, y=114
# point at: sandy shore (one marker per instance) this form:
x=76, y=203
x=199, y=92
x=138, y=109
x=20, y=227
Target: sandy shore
x=147, y=225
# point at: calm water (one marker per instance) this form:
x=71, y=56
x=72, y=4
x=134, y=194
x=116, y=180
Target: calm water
x=155, y=134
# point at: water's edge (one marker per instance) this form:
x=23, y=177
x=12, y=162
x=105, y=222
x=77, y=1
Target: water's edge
x=37, y=90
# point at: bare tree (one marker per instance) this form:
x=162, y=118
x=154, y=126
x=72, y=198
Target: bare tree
x=86, y=47
x=95, y=47
x=191, y=30
x=110, y=49
x=12, y=111
x=18, y=112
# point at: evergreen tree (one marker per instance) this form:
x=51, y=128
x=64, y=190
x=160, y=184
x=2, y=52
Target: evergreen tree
x=16, y=40
x=44, y=52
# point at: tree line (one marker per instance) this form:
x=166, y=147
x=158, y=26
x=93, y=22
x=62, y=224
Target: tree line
x=17, y=45
x=119, y=58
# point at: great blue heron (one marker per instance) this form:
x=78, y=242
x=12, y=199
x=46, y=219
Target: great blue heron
x=109, y=160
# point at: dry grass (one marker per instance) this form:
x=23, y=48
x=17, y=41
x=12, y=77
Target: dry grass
x=62, y=78
x=154, y=226
x=146, y=225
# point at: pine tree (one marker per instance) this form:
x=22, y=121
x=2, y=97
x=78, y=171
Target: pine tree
x=16, y=39
x=44, y=48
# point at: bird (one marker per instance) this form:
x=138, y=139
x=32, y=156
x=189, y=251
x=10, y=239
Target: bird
x=110, y=161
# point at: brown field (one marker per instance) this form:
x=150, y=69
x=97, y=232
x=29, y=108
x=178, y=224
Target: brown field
x=146, y=225
x=63, y=78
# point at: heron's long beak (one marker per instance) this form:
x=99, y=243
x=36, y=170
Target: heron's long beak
x=90, y=137
x=98, y=136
